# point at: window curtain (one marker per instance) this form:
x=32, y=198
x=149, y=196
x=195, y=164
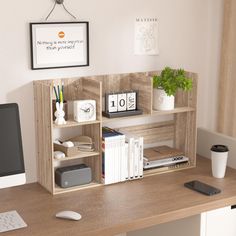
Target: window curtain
x=227, y=85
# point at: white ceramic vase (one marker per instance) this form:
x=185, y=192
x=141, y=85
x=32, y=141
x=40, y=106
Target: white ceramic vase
x=161, y=101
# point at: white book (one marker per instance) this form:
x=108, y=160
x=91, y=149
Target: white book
x=140, y=157
x=107, y=161
x=126, y=164
x=116, y=157
x=111, y=160
x=110, y=156
x=136, y=157
x=123, y=159
x=131, y=158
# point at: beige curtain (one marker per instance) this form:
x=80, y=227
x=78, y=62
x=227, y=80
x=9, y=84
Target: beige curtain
x=227, y=86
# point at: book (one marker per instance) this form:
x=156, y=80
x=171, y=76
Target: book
x=113, y=154
x=141, y=157
x=135, y=155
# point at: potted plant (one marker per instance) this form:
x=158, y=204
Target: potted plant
x=165, y=86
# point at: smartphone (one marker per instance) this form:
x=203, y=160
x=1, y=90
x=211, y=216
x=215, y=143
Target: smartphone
x=202, y=188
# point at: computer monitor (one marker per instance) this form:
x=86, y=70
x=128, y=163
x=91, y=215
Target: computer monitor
x=12, y=170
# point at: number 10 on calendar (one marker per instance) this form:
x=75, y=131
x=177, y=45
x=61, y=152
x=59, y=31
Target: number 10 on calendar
x=118, y=102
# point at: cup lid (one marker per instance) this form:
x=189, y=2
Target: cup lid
x=219, y=148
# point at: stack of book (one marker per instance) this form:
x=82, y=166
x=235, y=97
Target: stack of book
x=134, y=149
x=122, y=156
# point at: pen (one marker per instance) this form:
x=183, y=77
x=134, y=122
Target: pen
x=61, y=96
x=58, y=89
x=54, y=87
x=62, y=88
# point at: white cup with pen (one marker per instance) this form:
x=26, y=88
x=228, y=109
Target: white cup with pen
x=59, y=113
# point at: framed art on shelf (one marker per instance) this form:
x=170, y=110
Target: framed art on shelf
x=59, y=44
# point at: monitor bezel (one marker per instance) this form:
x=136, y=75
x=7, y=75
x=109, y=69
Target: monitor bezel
x=21, y=155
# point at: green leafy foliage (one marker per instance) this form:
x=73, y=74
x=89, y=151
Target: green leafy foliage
x=171, y=80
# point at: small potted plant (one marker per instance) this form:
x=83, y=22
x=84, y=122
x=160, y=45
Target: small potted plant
x=165, y=86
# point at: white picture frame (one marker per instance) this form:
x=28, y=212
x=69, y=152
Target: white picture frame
x=59, y=44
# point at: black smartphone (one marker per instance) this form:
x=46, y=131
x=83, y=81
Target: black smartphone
x=202, y=188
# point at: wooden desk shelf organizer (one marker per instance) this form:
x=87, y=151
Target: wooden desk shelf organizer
x=181, y=129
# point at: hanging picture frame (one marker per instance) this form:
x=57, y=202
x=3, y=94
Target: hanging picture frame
x=59, y=44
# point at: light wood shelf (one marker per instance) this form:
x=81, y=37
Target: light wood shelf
x=174, y=111
x=153, y=114
x=78, y=156
x=107, y=120
x=58, y=190
x=152, y=172
x=72, y=123
x=181, y=130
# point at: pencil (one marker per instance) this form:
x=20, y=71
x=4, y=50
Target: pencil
x=54, y=87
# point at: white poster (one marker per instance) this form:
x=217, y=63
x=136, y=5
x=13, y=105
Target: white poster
x=59, y=45
x=146, y=36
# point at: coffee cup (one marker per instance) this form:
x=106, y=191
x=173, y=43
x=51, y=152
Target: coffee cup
x=219, y=156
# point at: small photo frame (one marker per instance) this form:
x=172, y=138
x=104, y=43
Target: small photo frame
x=59, y=44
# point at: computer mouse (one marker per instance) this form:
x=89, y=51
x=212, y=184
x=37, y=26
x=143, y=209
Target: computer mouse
x=69, y=215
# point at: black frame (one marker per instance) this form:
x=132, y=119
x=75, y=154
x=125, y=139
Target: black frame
x=22, y=170
x=54, y=23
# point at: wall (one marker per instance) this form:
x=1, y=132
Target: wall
x=189, y=38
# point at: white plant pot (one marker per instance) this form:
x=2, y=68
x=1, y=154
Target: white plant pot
x=161, y=101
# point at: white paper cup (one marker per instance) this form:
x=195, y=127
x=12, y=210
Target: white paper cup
x=219, y=156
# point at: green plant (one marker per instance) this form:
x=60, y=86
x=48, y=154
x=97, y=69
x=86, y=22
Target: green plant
x=171, y=80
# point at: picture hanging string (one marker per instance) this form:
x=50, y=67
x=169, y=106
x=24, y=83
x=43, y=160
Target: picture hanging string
x=60, y=2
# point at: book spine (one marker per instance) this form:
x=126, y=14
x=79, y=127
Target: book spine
x=123, y=159
x=136, y=158
x=103, y=161
x=131, y=159
x=126, y=162
x=140, y=157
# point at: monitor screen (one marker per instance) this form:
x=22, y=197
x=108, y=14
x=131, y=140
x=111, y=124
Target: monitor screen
x=11, y=153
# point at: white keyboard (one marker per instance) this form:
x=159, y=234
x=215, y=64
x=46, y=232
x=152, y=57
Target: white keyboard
x=11, y=220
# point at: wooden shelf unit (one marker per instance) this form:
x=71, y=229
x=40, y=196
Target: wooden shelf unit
x=181, y=129
x=79, y=156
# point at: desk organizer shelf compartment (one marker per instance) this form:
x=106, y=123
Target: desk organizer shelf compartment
x=74, y=89
x=91, y=161
x=130, y=82
x=180, y=129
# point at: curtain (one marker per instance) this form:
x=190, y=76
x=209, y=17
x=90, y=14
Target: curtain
x=227, y=86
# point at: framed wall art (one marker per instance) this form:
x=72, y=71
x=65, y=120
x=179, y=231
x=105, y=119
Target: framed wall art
x=59, y=44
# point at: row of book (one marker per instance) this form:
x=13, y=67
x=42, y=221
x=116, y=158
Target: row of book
x=122, y=156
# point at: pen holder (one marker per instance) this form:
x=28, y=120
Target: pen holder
x=59, y=114
x=65, y=108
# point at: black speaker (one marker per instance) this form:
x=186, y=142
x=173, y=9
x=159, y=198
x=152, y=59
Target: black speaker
x=75, y=175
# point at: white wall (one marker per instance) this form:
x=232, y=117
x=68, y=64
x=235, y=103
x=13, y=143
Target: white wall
x=190, y=33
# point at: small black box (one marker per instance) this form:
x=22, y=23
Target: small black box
x=75, y=175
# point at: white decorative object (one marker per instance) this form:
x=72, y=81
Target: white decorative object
x=59, y=114
x=131, y=101
x=161, y=101
x=84, y=110
x=145, y=39
x=121, y=100
x=219, y=156
x=112, y=102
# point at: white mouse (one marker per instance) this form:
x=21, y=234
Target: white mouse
x=68, y=215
